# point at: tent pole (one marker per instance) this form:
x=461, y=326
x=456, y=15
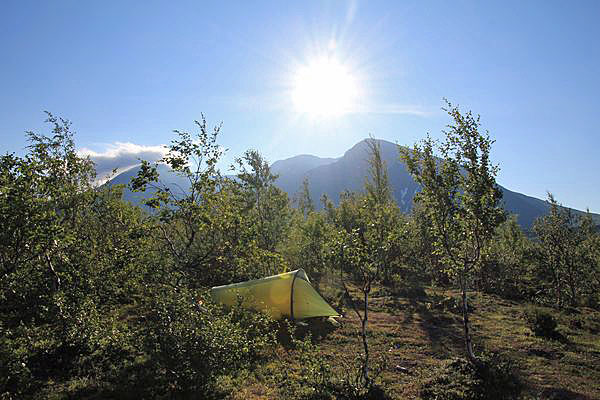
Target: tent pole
x=292, y=296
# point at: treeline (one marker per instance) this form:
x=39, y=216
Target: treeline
x=102, y=298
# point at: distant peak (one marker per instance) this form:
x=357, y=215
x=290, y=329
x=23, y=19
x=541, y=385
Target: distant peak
x=300, y=163
x=361, y=147
x=299, y=157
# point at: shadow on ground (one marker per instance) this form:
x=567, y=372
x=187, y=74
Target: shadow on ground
x=318, y=329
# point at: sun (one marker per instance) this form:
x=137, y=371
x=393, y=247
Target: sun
x=324, y=88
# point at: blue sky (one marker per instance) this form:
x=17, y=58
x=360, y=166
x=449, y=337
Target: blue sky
x=131, y=72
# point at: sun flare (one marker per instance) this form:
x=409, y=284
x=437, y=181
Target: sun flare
x=324, y=88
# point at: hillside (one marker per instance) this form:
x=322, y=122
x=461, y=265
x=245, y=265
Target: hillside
x=348, y=173
x=333, y=176
x=176, y=183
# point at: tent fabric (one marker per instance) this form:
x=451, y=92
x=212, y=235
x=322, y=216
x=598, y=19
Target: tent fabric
x=285, y=295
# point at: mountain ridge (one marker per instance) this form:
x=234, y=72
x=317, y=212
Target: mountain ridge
x=332, y=176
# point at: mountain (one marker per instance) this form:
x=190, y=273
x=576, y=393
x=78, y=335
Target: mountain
x=292, y=170
x=176, y=183
x=299, y=164
x=349, y=171
x=335, y=175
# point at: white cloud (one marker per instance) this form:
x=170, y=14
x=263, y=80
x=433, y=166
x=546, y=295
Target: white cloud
x=121, y=155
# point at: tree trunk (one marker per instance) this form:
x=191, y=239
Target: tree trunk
x=56, y=278
x=468, y=343
x=365, y=320
x=572, y=284
x=557, y=289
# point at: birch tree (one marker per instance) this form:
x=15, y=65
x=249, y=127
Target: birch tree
x=460, y=196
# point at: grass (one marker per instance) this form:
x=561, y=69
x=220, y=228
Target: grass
x=417, y=335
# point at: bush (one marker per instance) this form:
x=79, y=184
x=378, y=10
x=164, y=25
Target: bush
x=190, y=346
x=542, y=323
x=411, y=289
x=585, y=322
x=317, y=380
x=459, y=379
x=449, y=304
x=593, y=301
x=15, y=376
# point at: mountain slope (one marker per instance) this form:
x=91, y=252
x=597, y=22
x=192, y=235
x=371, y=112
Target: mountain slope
x=176, y=183
x=348, y=173
x=333, y=176
x=299, y=164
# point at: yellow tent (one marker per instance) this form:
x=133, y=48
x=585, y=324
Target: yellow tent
x=289, y=294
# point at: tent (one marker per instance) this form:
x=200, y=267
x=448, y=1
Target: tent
x=285, y=295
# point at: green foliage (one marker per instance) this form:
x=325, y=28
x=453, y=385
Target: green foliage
x=267, y=204
x=506, y=263
x=220, y=230
x=63, y=270
x=459, y=193
x=41, y=198
x=402, y=287
x=542, y=323
x=370, y=227
x=102, y=299
x=191, y=345
x=16, y=378
x=589, y=251
x=494, y=378
x=377, y=185
x=587, y=322
x=459, y=196
x=317, y=379
x=565, y=256
x=419, y=250
x=305, y=202
x=308, y=245
x=94, y=287
x=365, y=247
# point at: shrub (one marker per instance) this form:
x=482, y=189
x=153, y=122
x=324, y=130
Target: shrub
x=542, y=323
x=190, y=346
x=318, y=381
x=593, y=301
x=15, y=376
x=449, y=304
x=585, y=322
x=352, y=386
x=397, y=286
x=493, y=379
